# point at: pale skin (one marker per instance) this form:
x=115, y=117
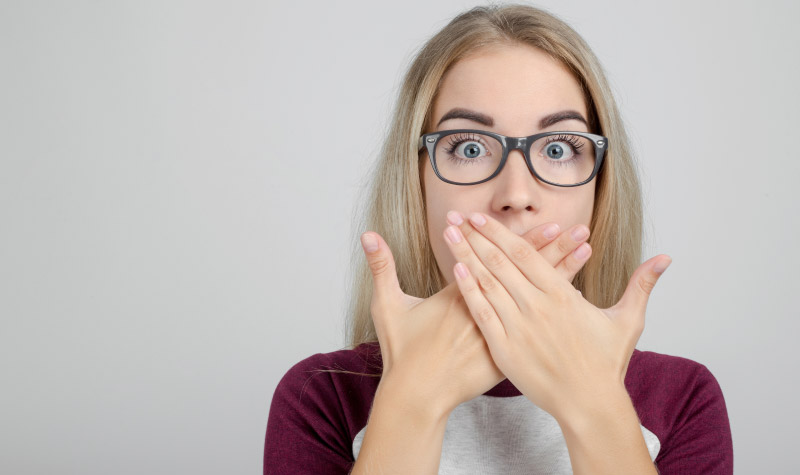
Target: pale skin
x=509, y=309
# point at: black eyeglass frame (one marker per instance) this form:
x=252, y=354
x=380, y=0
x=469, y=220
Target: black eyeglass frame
x=523, y=144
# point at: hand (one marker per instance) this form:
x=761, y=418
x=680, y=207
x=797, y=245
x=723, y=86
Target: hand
x=557, y=348
x=566, y=251
x=434, y=342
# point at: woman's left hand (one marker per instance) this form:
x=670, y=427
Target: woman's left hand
x=559, y=350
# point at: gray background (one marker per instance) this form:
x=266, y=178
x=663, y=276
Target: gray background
x=168, y=252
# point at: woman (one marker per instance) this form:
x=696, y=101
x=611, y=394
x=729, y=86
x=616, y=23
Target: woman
x=498, y=338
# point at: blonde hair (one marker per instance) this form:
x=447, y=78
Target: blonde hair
x=396, y=203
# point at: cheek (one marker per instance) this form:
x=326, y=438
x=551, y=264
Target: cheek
x=568, y=207
x=585, y=207
x=589, y=207
x=439, y=199
x=436, y=204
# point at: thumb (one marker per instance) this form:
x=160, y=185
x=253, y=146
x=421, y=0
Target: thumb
x=381, y=263
x=634, y=301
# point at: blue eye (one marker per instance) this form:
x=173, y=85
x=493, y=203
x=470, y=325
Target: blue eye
x=469, y=147
x=471, y=150
x=554, y=150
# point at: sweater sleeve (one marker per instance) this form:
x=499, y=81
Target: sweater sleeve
x=306, y=429
x=701, y=440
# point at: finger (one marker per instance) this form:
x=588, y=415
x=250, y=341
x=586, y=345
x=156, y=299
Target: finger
x=564, y=244
x=633, y=304
x=530, y=263
x=385, y=285
x=495, y=291
x=541, y=235
x=494, y=260
x=574, y=261
x=492, y=328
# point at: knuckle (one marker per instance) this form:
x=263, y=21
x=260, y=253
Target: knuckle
x=520, y=252
x=537, y=240
x=486, y=281
x=564, y=246
x=646, y=285
x=484, y=314
x=495, y=259
x=379, y=265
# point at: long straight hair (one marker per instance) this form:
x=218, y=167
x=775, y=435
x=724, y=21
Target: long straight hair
x=395, y=206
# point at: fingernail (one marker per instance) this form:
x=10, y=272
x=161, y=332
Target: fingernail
x=551, y=231
x=461, y=270
x=477, y=219
x=453, y=234
x=369, y=242
x=661, y=266
x=454, y=218
x=580, y=233
x=582, y=252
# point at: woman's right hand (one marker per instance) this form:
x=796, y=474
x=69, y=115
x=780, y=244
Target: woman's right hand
x=432, y=346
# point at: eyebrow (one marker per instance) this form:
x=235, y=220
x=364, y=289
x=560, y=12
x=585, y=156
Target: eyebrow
x=483, y=119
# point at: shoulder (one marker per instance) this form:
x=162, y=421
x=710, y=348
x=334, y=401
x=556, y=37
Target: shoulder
x=681, y=401
x=667, y=376
x=663, y=368
x=318, y=406
x=339, y=384
x=316, y=371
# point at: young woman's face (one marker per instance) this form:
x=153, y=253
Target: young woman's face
x=515, y=88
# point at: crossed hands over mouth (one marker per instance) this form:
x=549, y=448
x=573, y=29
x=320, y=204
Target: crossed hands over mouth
x=513, y=313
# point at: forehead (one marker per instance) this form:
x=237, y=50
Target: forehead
x=514, y=84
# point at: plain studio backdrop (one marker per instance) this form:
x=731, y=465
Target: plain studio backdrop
x=178, y=182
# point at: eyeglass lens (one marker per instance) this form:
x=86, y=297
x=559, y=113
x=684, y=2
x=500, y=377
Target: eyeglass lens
x=564, y=159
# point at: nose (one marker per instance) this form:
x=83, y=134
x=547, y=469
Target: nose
x=516, y=189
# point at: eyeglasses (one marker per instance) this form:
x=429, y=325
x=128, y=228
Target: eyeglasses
x=469, y=157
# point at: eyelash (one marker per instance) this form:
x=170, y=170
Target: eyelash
x=455, y=140
x=571, y=140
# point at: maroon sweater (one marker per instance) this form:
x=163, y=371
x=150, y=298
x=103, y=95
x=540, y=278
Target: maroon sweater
x=317, y=420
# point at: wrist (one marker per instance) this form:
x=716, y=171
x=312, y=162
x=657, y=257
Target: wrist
x=605, y=405
x=606, y=437
x=400, y=394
